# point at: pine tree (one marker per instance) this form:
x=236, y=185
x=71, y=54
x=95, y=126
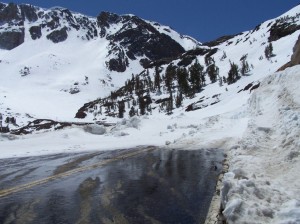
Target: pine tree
x=182, y=78
x=224, y=56
x=213, y=72
x=170, y=105
x=233, y=74
x=121, y=105
x=196, y=73
x=169, y=76
x=157, y=79
x=142, y=105
x=137, y=85
x=269, y=51
x=208, y=60
x=179, y=99
x=245, y=67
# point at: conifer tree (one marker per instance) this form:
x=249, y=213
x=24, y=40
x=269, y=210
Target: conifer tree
x=269, y=51
x=208, y=60
x=170, y=104
x=182, y=78
x=196, y=74
x=157, y=79
x=213, y=72
x=137, y=85
x=142, y=105
x=121, y=105
x=224, y=56
x=233, y=74
x=179, y=99
x=245, y=67
x=169, y=76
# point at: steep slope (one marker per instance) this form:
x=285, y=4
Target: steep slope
x=249, y=51
x=55, y=60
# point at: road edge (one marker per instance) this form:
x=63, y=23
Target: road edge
x=214, y=215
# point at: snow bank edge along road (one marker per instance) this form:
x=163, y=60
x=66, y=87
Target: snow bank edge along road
x=262, y=185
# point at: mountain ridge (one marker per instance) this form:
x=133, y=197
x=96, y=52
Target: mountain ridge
x=110, y=44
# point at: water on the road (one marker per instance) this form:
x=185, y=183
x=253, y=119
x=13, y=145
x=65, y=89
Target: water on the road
x=155, y=186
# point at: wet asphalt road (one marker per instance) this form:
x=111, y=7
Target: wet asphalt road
x=141, y=185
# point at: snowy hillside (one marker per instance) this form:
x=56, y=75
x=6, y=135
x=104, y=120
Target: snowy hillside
x=247, y=51
x=66, y=58
x=242, y=100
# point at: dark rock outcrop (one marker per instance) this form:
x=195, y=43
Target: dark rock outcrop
x=9, y=13
x=58, y=35
x=35, y=32
x=11, y=39
x=279, y=30
x=219, y=41
x=119, y=62
x=145, y=40
x=138, y=38
x=134, y=39
x=28, y=12
x=105, y=19
x=295, y=59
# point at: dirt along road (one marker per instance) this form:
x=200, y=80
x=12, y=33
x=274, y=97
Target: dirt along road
x=140, y=185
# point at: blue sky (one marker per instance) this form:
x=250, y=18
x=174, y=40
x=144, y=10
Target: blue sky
x=202, y=19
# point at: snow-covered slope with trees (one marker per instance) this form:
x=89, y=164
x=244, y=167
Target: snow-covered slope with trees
x=70, y=59
x=225, y=94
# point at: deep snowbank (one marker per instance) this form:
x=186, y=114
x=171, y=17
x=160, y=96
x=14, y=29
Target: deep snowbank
x=262, y=185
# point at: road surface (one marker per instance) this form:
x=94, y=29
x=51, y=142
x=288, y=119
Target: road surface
x=140, y=185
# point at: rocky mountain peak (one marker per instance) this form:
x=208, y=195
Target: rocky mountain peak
x=133, y=38
x=129, y=37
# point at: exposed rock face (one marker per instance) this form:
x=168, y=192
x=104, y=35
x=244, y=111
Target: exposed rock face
x=9, y=13
x=35, y=32
x=105, y=19
x=58, y=35
x=295, y=60
x=278, y=31
x=28, y=12
x=12, y=39
x=139, y=38
x=218, y=41
x=120, y=62
x=130, y=38
x=57, y=20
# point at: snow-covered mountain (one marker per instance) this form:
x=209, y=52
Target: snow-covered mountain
x=72, y=53
x=59, y=67
x=246, y=50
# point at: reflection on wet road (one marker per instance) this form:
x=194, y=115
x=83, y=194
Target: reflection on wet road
x=141, y=185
